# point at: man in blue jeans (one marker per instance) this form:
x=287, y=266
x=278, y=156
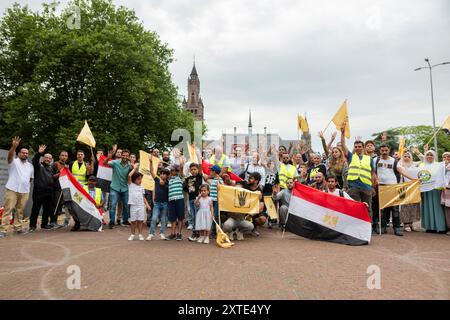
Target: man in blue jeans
x=119, y=184
x=160, y=203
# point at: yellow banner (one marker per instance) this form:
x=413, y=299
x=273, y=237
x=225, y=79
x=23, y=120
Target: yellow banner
x=86, y=136
x=399, y=194
x=238, y=200
x=340, y=117
x=271, y=209
x=144, y=164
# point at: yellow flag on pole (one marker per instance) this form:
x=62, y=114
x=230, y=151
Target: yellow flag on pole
x=302, y=124
x=340, y=117
x=86, y=136
x=192, y=154
x=399, y=194
x=238, y=200
x=144, y=167
x=402, y=147
x=446, y=125
x=271, y=209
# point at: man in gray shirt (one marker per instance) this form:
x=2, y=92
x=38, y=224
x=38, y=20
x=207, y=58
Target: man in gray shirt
x=284, y=197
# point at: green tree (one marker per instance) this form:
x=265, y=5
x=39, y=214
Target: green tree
x=416, y=136
x=109, y=70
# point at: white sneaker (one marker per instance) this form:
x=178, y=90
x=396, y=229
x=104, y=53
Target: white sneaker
x=150, y=237
x=231, y=236
x=201, y=239
x=169, y=225
x=159, y=225
x=190, y=227
x=131, y=238
x=163, y=237
x=206, y=241
x=141, y=237
x=239, y=236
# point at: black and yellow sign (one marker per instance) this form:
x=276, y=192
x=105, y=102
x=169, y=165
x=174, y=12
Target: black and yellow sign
x=399, y=194
x=238, y=200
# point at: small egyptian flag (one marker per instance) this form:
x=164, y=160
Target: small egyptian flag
x=104, y=174
x=238, y=200
x=81, y=204
x=86, y=136
x=317, y=215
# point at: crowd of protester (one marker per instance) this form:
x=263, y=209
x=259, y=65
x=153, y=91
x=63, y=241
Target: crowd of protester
x=186, y=197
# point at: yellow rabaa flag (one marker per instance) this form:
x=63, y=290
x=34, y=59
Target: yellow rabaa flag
x=238, y=200
x=271, y=209
x=86, y=136
x=402, y=147
x=340, y=117
x=399, y=194
x=192, y=154
x=144, y=164
x=302, y=124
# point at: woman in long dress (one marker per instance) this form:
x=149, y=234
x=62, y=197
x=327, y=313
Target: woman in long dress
x=409, y=213
x=432, y=175
x=446, y=191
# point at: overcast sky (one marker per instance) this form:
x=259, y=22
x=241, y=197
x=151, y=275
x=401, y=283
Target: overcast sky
x=283, y=57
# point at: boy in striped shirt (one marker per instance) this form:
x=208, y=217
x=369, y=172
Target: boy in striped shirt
x=176, y=203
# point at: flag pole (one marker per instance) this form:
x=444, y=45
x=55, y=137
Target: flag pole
x=327, y=126
x=434, y=135
x=285, y=224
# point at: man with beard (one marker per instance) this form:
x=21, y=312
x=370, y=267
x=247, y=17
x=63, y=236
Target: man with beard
x=119, y=185
x=286, y=171
x=43, y=190
x=166, y=159
x=253, y=184
x=57, y=193
x=284, y=197
x=17, y=188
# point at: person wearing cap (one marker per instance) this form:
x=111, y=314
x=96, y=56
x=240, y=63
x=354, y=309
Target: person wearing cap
x=214, y=180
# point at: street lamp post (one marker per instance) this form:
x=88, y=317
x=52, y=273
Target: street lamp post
x=430, y=67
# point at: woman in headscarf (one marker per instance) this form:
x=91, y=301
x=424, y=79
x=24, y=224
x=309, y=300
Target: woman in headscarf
x=446, y=193
x=409, y=213
x=432, y=174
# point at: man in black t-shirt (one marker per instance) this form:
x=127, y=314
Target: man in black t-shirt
x=253, y=185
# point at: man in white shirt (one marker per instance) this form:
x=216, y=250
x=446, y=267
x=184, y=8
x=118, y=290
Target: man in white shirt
x=17, y=189
x=255, y=166
x=331, y=184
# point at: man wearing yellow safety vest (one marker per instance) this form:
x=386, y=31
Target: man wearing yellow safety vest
x=361, y=173
x=95, y=193
x=220, y=159
x=81, y=170
x=286, y=171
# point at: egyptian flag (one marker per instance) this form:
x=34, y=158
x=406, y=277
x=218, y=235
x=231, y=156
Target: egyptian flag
x=206, y=168
x=82, y=205
x=104, y=174
x=318, y=215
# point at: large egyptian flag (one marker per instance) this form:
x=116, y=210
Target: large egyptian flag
x=318, y=215
x=104, y=174
x=81, y=203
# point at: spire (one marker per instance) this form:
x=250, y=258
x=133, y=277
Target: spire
x=194, y=71
x=250, y=118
